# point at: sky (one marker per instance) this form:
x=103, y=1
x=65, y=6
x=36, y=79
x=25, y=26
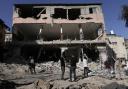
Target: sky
x=111, y=11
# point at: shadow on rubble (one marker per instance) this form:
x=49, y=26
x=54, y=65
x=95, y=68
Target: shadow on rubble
x=115, y=85
x=4, y=84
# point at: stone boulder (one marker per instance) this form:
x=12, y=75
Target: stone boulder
x=38, y=84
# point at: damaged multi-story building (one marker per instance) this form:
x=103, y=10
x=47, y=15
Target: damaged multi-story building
x=46, y=30
x=117, y=43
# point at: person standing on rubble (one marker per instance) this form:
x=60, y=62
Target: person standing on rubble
x=72, y=68
x=32, y=65
x=62, y=61
x=85, y=65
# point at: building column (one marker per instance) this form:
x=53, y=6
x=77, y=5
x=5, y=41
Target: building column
x=82, y=53
x=67, y=14
x=81, y=33
x=61, y=33
x=40, y=34
x=102, y=56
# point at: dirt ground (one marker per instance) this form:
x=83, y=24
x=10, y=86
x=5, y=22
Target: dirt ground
x=48, y=76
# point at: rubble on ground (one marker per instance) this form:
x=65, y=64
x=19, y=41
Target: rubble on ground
x=94, y=82
x=10, y=71
x=19, y=70
x=48, y=77
x=38, y=84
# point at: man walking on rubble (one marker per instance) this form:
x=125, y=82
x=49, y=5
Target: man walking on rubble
x=31, y=65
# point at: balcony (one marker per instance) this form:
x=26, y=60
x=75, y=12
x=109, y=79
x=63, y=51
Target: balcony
x=97, y=18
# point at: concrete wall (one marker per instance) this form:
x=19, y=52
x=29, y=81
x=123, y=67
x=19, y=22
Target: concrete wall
x=126, y=44
x=117, y=43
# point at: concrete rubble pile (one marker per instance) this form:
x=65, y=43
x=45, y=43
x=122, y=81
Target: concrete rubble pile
x=23, y=69
x=19, y=70
x=53, y=67
x=13, y=71
x=38, y=84
x=94, y=82
x=10, y=71
x=98, y=79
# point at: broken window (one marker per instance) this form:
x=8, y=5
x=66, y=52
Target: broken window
x=92, y=10
x=62, y=13
x=26, y=12
x=37, y=11
x=59, y=13
x=73, y=14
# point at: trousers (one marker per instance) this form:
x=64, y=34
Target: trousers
x=72, y=73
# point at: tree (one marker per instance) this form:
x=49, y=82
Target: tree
x=125, y=14
x=2, y=33
x=3, y=28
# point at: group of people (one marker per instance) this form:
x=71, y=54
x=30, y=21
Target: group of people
x=72, y=62
x=73, y=65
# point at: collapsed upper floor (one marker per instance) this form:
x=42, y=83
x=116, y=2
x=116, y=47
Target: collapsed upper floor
x=57, y=13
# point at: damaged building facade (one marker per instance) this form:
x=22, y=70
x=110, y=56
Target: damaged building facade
x=117, y=43
x=45, y=31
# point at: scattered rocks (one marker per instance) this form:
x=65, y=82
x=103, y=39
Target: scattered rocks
x=38, y=84
x=53, y=67
x=41, y=84
x=12, y=70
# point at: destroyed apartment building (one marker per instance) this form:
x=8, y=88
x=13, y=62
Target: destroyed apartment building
x=45, y=31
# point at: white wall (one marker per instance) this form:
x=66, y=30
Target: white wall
x=118, y=45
